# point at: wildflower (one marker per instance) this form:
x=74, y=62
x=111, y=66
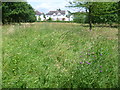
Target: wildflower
x=81, y=62
x=88, y=62
x=100, y=54
x=100, y=71
x=88, y=53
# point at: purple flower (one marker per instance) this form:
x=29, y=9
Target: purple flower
x=88, y=53
x=100, y=54
x=88, y=62
x=81, y=62
x=100, y=71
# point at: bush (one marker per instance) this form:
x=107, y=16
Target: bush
x=80, y=18
x=19, y=12
x=39, y=19
x=50, y=19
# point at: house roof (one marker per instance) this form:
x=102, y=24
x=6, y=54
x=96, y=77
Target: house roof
x=56, y=12
x=38, y=13
x=79, y=12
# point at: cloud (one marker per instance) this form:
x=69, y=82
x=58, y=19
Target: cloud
x=48, y=5
x=47, y=0
x=45, y=7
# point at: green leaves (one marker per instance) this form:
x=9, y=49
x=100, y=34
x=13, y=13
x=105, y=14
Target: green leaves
x=97, y=12
x=103, y=12
x=17, y=12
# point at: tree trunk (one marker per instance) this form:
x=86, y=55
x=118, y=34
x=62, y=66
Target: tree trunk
x=90, y=18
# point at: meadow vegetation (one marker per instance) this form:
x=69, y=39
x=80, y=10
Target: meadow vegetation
x=59, y=55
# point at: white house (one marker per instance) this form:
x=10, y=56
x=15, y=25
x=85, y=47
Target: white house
x=60, y=15
x=39, y=16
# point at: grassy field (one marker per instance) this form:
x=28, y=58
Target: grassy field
x=59, y=55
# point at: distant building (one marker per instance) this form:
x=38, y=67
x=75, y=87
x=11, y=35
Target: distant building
x=60, y=15
x=39, y=16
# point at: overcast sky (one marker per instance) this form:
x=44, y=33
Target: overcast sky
x=47, y=5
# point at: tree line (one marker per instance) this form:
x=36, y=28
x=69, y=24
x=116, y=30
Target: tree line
x=97, y=12
x=16, y=12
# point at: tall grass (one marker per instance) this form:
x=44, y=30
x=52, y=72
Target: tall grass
x=59, y=55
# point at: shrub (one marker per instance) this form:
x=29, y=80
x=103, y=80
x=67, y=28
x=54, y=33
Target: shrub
x=50, y=19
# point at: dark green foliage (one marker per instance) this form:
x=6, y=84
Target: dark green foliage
x=14, y=12
x=80, y=18
x=118, y=7
x=44, y=16
x=88, y=7
x=39, y=19
x=50, y=19
x=0, y=12
x=98, y=12
x=103, y=12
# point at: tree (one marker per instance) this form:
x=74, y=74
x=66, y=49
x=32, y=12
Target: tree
x=50, y=19
x=80, y=17
x=39, y=19
x=105, y=12
x=98, y=12
x=59, y=9
x=0, y=12
x=17, y=12
x=44, y=16
x=88, y=6
x=118, y=12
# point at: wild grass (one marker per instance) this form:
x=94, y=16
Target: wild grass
x=59, y=55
